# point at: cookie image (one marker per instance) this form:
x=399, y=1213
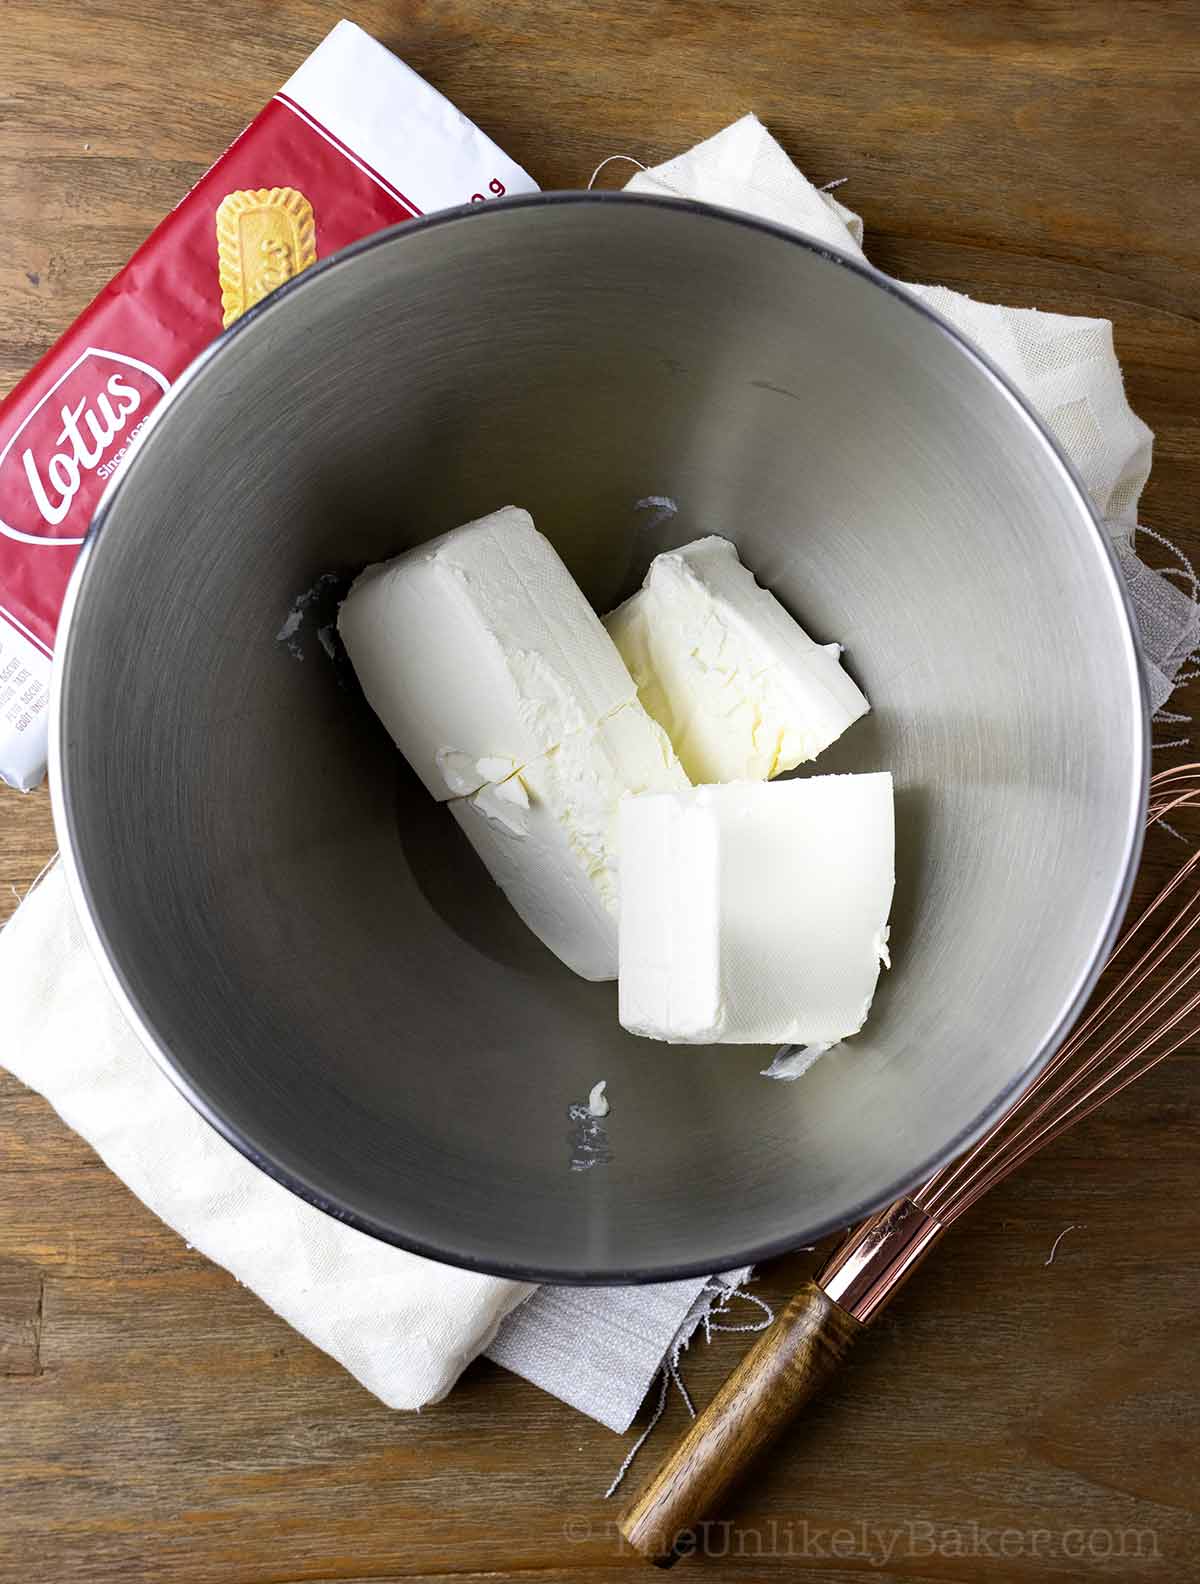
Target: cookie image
x=264, y=237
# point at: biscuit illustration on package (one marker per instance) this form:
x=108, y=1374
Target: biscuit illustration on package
x=264, y=237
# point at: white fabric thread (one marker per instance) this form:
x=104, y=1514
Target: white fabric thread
x=608, y=161
x=669, y=1373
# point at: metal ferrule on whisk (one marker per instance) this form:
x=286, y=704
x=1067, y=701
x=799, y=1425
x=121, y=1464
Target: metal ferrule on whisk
x=866, y=1271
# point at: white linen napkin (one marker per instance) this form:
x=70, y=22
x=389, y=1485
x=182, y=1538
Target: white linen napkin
x=403, y=1325
x=406, y=1327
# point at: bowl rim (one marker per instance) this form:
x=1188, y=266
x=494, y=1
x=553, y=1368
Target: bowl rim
x=64, y=796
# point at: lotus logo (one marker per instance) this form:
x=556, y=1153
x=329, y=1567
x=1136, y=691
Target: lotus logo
x=55, y=465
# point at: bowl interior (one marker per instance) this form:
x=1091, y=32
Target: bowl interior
x=309, y=942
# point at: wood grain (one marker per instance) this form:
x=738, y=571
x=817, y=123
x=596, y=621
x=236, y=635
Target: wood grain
x=1001, y=1413
x=20, y=1318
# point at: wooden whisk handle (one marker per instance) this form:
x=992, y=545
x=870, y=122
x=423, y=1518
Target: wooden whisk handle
x=787, y=1366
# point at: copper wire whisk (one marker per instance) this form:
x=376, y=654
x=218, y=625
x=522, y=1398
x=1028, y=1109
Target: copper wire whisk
x=1146, y=1006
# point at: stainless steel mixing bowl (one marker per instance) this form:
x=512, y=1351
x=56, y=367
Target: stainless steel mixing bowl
x=305, y=940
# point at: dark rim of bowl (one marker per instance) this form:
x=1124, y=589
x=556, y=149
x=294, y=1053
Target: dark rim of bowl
x=721, y=1259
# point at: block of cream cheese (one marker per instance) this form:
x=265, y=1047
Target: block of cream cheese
x=739, y=687
x=548, y=834
x=755, y=913
x=478, y=652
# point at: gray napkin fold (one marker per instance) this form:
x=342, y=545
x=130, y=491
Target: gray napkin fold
x=599, y=1348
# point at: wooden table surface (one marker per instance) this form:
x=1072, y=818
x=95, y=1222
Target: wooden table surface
x=1007, y=1420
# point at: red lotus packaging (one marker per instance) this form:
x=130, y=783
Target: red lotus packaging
x=353, y=142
